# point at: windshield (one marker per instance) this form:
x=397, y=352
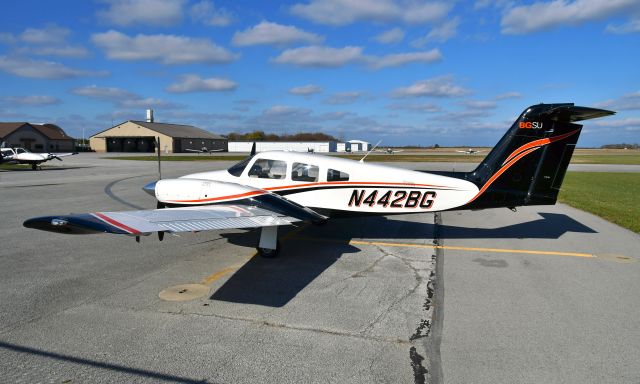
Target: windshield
x=237, y=169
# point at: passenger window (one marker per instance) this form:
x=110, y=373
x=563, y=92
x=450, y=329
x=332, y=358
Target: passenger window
x=334, y=175
x=304, y=172
x=268, y=169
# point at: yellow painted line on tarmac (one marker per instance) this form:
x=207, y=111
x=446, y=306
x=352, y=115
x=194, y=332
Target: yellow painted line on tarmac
x=223, y=272
x=453, y=247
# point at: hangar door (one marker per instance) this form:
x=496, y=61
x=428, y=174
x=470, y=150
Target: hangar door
x=131, y=144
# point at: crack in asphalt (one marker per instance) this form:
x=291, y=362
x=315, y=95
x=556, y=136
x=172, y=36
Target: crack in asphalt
x=292, y=327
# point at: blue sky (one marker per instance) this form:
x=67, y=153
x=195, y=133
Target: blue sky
x=404, y=72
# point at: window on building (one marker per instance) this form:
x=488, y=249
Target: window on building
x=304, y=172
x=268, y=169
x=335, y=175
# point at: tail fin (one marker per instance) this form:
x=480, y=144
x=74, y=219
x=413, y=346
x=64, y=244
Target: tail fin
x=528, y=164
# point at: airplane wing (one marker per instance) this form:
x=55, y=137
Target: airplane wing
x=187, y=219
x=269, y=210
x=54, y=155
x=216, y=150
x=193, y=150
x=398, y=151
x=463, y=151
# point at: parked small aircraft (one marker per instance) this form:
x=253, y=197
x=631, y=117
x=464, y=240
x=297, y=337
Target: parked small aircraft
x=470, y=151
x=270, y=189
x=390, y=151
x=204, y=150
x=22, y=156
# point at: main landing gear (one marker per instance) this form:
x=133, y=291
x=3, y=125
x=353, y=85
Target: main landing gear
x=269, y=245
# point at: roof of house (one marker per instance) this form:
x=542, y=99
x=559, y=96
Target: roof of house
x=7, y=128
x=51, y=131
x=173, y=130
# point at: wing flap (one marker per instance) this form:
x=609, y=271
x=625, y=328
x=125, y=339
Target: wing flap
x=187, y=219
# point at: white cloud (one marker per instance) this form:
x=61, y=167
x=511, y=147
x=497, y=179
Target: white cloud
x=275, y=34
x=206, y=12
x=344, y=97
x=38, y=69
x=508, y=95
x=285, y=110
x=305, y=90
x=73, y=51
x=480, y=104
x=316, y=56
x=423, y=108
x=327, y=57
x=629, y=27
x=50, y=34
x=32, y=100
x=167, y=49
x=627, y=102
x=441, y=86
x=47, y=41
x=391, y=36
x=399, y=59
x=148, y=12
x=439, y=34
x=104, y=93
x=544, y=15
x=122, y=97
x=629, y=123
x=342, y=12
x=194, y=83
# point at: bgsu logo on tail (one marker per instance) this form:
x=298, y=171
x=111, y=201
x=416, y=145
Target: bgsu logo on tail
x=530, y=125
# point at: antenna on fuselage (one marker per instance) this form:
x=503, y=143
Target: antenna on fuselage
x=371, y=150
x=159, y=162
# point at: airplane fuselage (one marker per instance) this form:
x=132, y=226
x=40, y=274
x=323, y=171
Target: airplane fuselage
x=325, y=183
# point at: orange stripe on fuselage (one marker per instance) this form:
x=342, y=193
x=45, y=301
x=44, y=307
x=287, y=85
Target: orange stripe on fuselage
x=539, y=142
x=284, y=187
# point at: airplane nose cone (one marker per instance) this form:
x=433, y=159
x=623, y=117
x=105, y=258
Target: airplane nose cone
x=150, y=188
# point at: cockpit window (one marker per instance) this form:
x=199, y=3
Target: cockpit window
x=268, y=169
x=237, y=169
x=21, y=150
x=304, y=172
x=334, y=175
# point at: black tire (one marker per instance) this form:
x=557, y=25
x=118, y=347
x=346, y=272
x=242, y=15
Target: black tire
x=34, y=167
x=269, y=253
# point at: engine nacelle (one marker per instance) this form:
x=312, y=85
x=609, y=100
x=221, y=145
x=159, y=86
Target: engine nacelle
x=197, y=191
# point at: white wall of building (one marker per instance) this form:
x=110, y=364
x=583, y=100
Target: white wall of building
x=296, y=146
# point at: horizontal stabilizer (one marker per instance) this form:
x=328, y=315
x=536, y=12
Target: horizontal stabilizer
x=569, y=113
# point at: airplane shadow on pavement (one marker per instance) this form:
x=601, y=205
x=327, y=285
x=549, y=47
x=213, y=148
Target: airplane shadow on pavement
x=308, y=252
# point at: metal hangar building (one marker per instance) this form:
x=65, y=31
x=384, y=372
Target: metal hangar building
x=140, y=136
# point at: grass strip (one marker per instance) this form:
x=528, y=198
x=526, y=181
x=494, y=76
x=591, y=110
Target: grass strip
x=612, y=196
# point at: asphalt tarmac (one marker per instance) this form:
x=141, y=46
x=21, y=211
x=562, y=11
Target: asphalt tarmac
x=546, y=294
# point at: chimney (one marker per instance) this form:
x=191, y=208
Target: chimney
x=149, y=115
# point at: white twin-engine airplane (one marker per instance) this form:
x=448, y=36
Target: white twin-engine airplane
x=22, y=156
x=271, y=189
x=470, y=151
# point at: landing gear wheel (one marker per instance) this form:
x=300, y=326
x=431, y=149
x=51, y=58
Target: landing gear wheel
x=34, y=167
x=269, y=253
